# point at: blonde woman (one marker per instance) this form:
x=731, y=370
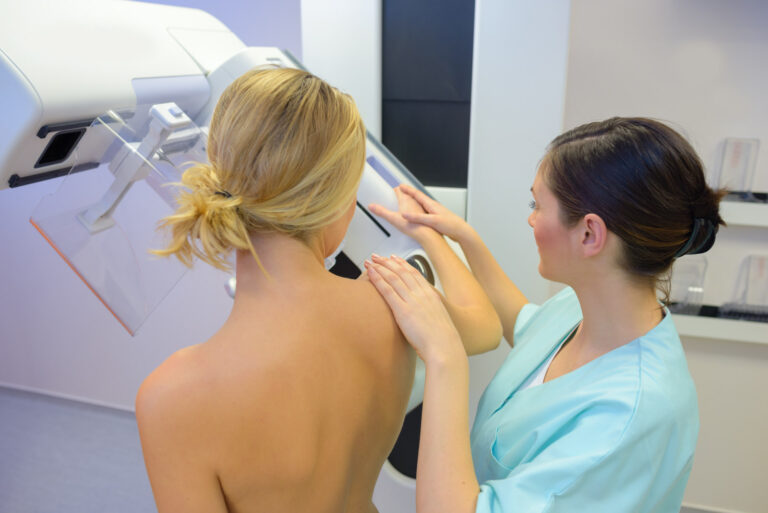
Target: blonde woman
x=294, y=404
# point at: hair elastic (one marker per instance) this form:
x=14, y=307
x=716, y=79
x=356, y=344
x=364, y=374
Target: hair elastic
x=223, y=193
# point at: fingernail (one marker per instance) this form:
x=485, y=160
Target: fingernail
x=374, y=255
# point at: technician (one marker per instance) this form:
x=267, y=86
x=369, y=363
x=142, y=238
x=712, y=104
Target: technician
x=594, y=409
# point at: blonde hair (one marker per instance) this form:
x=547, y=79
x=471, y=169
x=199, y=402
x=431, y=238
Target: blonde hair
x=286, y=154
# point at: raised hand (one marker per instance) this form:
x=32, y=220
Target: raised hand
x=407, y=205
x=418, y=208
x=418, y=309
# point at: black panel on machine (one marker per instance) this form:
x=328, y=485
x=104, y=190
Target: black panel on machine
x=60, y=147
x=345, y=268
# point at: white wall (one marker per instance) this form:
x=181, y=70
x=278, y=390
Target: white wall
x=341, y=43
x=700, y=65
x=518, y=92
x=255, y=22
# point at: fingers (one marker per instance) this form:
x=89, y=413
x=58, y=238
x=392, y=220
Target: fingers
x=390, y=216
x=425, y=201
x=407, y=204
x=391, y=275
x=384, y=288
x=426, y=219
x=405, y=271
x=396, y=219
x=379, y=210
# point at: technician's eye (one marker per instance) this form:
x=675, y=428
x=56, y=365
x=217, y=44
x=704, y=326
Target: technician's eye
x=532, y=204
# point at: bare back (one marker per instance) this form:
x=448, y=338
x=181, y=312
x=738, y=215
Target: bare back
x=297, y=401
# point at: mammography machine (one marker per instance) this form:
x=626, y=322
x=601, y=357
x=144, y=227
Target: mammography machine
x=117, y=97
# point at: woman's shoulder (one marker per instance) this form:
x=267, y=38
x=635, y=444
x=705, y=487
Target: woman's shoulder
x=365, y=325
x=173, y=399
x=653, y=392
x=170, y=386
x=363, y=307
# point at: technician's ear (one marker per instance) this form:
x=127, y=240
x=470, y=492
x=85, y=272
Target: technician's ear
x=594, y=235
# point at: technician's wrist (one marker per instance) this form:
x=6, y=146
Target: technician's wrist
x=466, y=235
x=447, y=361
x=428, y=237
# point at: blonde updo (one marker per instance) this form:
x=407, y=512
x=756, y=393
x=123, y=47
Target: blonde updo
x=286, y=154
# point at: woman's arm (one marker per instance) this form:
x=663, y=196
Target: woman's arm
x=472, y=312
x=503, y=293
x=170, y=434
x=445, y=476
x=446, y=480
x=506, y=298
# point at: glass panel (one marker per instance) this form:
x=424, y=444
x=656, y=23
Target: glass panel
x=103, y=221
x=687, y=287
x=737, y=169
x=750, y=295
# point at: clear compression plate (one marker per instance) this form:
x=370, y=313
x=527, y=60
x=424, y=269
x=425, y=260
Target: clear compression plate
x=102, y=219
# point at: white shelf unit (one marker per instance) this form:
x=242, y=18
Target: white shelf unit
x=737, y=213
x=721, y=329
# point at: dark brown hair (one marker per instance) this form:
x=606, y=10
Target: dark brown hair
x=647, y=184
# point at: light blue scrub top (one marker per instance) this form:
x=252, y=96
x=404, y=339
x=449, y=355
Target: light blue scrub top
x=615, y=435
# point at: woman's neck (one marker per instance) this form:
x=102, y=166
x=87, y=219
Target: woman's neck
x=294, y=269
x=615, y=311
x=288, y=263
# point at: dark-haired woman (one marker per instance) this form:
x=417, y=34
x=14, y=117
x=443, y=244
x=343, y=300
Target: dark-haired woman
x=594, y=408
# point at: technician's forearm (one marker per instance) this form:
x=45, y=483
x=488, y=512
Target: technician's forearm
x=470, y=308
x=503, y=293
x=445, y=479
x=459, y=285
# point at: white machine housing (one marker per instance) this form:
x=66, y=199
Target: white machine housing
x=102, y=55
x=63, y=65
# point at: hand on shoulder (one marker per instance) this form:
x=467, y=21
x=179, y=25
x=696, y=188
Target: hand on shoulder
x=418, y=310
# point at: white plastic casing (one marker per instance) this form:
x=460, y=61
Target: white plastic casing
x=85, y=57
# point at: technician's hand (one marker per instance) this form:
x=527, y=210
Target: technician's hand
x=418, y=309
x=407, y=205
x=422, y=210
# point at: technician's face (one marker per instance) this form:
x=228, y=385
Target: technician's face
x=552, y=237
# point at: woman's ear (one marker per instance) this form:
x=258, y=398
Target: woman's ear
x=594, y=235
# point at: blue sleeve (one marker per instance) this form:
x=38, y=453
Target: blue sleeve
x=524, y=316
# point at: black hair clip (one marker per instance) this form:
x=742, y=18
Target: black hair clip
x=699, y=223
